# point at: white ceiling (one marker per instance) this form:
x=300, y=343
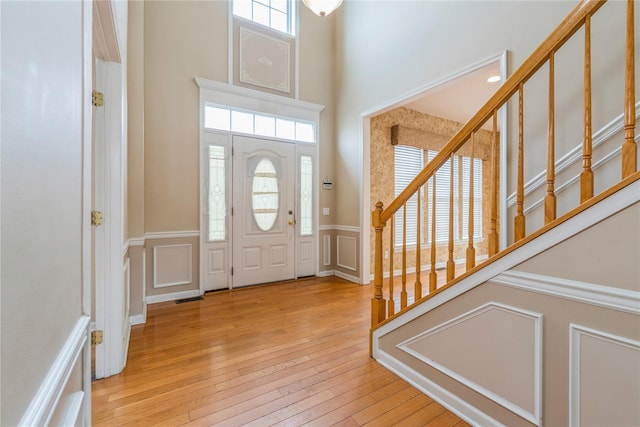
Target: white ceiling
x=459, y=99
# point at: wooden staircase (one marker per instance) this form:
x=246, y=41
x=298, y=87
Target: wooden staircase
x=385, y=299
x=403, y=335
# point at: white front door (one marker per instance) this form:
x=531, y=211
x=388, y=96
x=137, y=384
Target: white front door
x=263, y=211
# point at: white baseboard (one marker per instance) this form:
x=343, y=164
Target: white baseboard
x=138, y=319
x=326, y=273
x=453, y=403
x=45, y=402
x=348, y=277
x=152, y=299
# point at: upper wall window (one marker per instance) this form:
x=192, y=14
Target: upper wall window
x=276, y=14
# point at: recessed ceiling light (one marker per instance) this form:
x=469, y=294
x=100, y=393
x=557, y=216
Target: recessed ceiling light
x=493, y=79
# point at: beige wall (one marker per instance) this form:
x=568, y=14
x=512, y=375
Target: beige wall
x=605, y=254
x=41, y=198
x=181, y=40
x=135, y=155
x=190, y=38
x=432, y=40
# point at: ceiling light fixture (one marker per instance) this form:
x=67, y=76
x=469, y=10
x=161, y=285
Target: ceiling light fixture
x=322, y=7
x=494, y=79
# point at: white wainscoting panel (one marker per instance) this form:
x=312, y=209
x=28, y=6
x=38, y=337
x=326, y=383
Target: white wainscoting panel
x=326, y=250
x=172, y=265
x=347, y=252
x=46, y=400
x=217, y=261
x=604, y=379
x=495, y=350
x=306, y=252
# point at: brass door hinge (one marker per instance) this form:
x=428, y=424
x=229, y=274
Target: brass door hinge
x=96, y=337
x=97, y=99
x=96, y=218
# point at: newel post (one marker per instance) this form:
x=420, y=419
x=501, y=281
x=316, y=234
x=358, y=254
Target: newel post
x=378, y=308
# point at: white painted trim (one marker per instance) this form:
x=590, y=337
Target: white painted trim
x=138, y=319
x=575, y=333
x=172, y=234
x=536, y=416
x=152, y=299
x=188, y=281
x=70, y=410
x=589, y=293
x=453, y=403
x=239, y=91
x=347, y=228
x=348, y=277
x=326, y=250
x=611, y=205
x=330, y=227
x=355, y=250
x=125, y=248
x=46, y=399
x=326, y=273
x=575, y=155
x=136, y=241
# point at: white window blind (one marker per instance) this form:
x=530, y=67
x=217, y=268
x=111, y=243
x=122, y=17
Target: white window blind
x=408, y=163
x=461, y=172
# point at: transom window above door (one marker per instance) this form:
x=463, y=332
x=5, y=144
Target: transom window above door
x=248, y=122
x=275, y=14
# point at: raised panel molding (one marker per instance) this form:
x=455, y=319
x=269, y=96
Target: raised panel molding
x=326, y=249
x=495, y=350
x=602, y=296
x=603, y=378
x=346, y=252
x=172, y=265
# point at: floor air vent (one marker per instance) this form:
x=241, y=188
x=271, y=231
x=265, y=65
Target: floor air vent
x=180, y=301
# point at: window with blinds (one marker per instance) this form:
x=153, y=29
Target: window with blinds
x=409, y=161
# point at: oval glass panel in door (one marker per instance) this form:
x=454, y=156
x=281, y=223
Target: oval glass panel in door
x=264, y=194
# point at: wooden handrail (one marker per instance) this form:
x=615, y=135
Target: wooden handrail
x=556, y=39
x=455, y=149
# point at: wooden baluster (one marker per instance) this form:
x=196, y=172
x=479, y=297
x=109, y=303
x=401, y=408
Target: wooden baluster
x=378, y=309
x=471, y=251
x=629, y=147
x=417, y=287
x=403, y=292
x=433, y=277
x=493, y=226
x=550, y=197
x=451, y=267
x=586, y=176
x=391, y=304
x=519, y=220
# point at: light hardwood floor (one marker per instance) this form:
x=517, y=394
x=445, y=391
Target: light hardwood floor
x=289, y=354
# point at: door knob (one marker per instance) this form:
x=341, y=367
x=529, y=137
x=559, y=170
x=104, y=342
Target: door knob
x=292, y=221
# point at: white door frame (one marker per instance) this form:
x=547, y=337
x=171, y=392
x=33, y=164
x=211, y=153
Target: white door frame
x=213, y=92
x=110, y=164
